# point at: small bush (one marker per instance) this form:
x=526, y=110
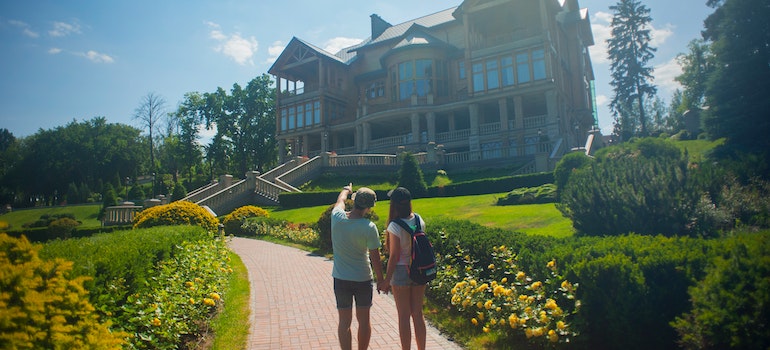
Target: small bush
x=530, y=195
x=62, y=227
x=176, y=213
x=41, y=307
x=410, y=176
x=235, y=220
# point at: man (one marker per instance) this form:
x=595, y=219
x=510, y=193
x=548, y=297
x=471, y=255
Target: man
x=356, y=246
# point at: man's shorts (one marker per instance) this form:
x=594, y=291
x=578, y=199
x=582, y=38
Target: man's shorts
x=346, y=291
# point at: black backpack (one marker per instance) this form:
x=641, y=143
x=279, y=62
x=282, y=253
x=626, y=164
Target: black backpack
x=422, y=268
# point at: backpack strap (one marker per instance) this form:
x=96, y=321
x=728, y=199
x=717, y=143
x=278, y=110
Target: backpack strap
x=405, y=226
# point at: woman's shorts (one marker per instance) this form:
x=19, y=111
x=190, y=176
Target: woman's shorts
x=346, y=291
x=401, y=277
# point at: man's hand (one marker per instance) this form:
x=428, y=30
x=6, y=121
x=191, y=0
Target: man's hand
x=349, y=187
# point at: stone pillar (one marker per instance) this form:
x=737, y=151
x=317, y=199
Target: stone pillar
x=358, y=137
x=503, y=106
x=305, y=143
x=431, y=118
x=367, y=135
x=415, y=128
x=431, y=152
x=225, y=181
x=281, y=151
x=518, y=113
x=473, y=139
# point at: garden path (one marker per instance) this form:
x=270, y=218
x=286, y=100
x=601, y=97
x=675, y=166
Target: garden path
x=293, y=307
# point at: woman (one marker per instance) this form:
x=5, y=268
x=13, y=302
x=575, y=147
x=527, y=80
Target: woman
x=407, y=294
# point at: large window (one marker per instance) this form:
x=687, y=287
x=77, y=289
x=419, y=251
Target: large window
x=419, y=77
x=301, y=115
x=508, y=70
x=375, y=90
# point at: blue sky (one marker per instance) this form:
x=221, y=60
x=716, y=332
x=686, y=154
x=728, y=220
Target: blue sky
x=74, y=60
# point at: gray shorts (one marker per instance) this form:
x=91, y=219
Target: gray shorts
x=401, y=277
x=346, y=291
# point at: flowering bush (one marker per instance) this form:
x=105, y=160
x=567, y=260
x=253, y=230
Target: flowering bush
x=184, y=293
x=286, y=231
x=510, y=301
x=234, y=220
x=176, y=213
x=41, y=307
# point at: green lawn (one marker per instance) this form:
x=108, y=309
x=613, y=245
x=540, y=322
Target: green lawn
x=84, y=213
x=535, y=219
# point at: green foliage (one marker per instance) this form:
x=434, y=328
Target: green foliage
x=176, y=213
x=136, y=193
x=236, y=219
x=282, y=230
x=644, y=187
x=179, y=192
x=63, y=227
x=730, y=305
x=410, y=176
x=530, y=195
x=324, y=223
x=566, y=166
x=42, y=307
x=46, y=219
x=490, y=185
x=441, y=179
x=139, y=275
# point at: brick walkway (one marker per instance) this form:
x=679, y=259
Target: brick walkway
x=293, y=307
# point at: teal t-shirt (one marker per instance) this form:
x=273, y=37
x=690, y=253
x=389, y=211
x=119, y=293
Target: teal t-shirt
x=351, y=241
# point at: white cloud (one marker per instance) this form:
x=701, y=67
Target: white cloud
x=54, y=50
x=25, y=28
x=63, y=29
x=274, y=51
x=664, y=77
x=97, y=57
x=239, y=49
x=334, y=45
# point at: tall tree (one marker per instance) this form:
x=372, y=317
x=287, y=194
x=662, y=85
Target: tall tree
x=152, y=108
x=629, y=52
x=245, y=122
x=189, y=118
x=737, y=92
x=696, y=67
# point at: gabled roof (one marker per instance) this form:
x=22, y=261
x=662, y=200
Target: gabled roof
x=295, y=42
x=399, y=30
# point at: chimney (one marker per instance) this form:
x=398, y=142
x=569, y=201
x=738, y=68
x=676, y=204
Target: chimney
x=379, y=26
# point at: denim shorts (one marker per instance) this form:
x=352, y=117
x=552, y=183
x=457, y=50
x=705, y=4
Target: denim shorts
x=401, y=277
x=346, y=291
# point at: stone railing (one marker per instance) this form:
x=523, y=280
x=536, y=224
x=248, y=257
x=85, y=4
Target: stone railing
x=390, y=141
x=450, y=136
x=195, y=196
x=300, y=173
x=362, y=160
x=121, y=214
x=489, y=128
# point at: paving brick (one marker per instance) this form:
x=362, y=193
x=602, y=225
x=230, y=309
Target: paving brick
x=293, y=307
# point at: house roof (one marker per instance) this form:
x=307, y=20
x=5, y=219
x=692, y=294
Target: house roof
x=399, y=30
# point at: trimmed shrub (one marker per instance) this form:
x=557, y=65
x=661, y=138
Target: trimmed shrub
x=63, y=227
x=530, y=195
x=410, y=176
x=176, y=213
x=730, y=305
x=236, y=219
x=41, y=307
x=179, y=192
x=566, y=166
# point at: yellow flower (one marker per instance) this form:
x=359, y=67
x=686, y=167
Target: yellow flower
x=491, y=266
x=521, y=275
x=558, y=312
x=191, y=301
x=481, y=316
x=513, y=320
x=502, y=322
x=522, y=297
x=504, y=280
x=473, y=283
x=538, y=332
x=552, y=336
x=209, y=302
x=528, y=310
x=475, y=321
x=155, y=322
x=561, y=325
x=551, y=304
x=488, y=304
x=566, y=285
x=479, y=305
x=467, y=268
x=551, y=264
x=189, y=284
x=485, y=329
x=215, y=296
x=537, y=285
x=528, y=332
x=493, y=321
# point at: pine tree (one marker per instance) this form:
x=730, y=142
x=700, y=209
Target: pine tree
x=629, y=52
x=410, y=176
